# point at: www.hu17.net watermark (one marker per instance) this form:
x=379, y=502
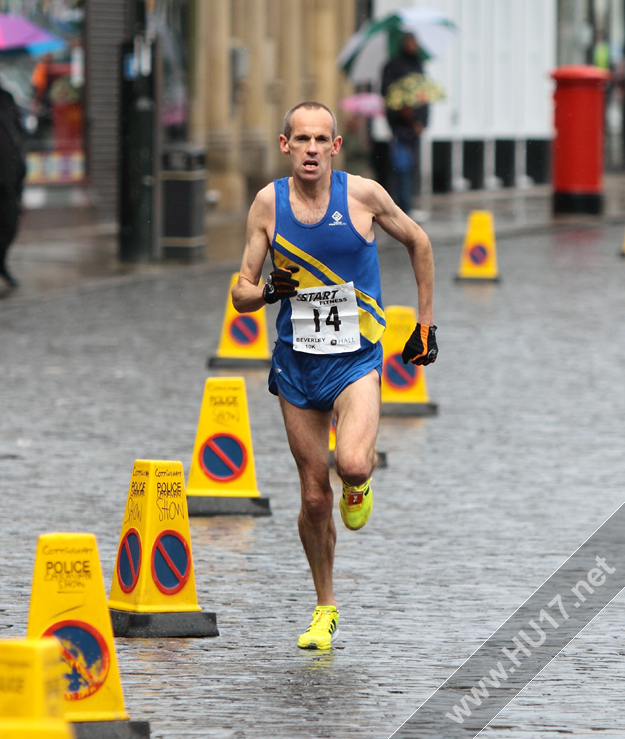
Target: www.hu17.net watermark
x=595, y=578
x=525, y=644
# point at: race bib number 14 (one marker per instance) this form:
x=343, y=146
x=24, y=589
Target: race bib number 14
x=325, y=320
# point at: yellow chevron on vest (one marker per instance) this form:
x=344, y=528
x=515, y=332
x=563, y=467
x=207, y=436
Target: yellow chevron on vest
x=371, y=302
x=309, y=260
x=283, y=261
x=370, y=327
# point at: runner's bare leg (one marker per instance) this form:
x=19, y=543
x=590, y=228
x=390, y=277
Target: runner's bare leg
x=357, y=417
x=308, y=432
x=357, y=414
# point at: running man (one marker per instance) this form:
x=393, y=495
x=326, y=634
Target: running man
x=318, y=227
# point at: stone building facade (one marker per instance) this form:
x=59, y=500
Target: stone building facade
x=251, y=60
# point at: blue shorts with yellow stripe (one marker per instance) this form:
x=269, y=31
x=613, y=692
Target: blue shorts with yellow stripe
x=314, y=381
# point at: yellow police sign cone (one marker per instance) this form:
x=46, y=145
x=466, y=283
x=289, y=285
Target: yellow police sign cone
x=404, y=390
x=222, y=476
x=31, y=690
x=68, y=601
x=478, y=260
x=243, y=342
x=153, y=592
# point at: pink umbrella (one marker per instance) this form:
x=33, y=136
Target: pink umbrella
x=17, y=32
x=368, y=104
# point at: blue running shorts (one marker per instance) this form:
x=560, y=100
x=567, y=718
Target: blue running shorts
x=312, y=381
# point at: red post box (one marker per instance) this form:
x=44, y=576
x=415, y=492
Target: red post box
x=578, y=151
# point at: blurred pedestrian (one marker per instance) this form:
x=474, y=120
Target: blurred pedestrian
x=407, y=124
x=12, y=173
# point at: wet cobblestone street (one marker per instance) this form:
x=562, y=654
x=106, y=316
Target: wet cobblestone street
x=478, y=506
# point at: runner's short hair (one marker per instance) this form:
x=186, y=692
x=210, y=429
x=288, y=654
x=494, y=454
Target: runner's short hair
x=308, y=105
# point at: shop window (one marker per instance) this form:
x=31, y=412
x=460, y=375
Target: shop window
x=48, y=86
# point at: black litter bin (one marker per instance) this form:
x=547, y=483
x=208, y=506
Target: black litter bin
x=184, y=183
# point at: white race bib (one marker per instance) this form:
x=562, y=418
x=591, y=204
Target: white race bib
x=325, y=320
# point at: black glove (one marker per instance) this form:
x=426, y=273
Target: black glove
x=421, y=347
x=280, y=284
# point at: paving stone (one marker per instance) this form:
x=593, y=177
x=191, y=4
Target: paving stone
x=478, y=505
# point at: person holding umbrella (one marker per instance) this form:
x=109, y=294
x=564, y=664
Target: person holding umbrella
x=407, y=123
x=385, y=49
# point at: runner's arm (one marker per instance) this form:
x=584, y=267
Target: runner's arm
x=247, y=294
x=402, y=228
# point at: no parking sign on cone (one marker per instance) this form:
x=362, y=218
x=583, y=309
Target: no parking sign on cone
x=222, y=475
x=68, y=602
x=243, y=342
x=404, y=390
x=478, y=260
x=153, y=592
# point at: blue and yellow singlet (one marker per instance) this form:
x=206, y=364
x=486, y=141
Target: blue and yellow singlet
x=330, y=252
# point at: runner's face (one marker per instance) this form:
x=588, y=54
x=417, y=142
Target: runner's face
x=311, y=145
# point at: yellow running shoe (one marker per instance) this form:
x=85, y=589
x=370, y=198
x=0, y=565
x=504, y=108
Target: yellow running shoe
x=323, y=628
x=356, y=504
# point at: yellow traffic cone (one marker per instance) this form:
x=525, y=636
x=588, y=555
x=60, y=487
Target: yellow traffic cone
x=31, y=690
x=244, y=343
x=68, y=602
x=153, y=592
x=222, y=476
x=478, y=260
x=404, y=390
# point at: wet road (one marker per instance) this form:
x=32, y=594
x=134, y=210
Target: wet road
x=478, y=506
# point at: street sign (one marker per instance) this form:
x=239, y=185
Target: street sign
x=129, y=560
x=86, y=656
x=171, y=562
x=478, y=254
x=223, y=457
x=399, y=375
x=244, y=330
